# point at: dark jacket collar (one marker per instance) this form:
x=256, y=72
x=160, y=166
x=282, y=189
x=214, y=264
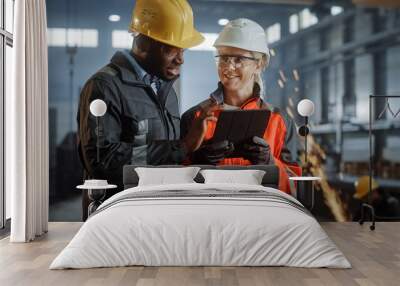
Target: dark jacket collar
x=125, y=69
x=218, y=94
x=128, y=73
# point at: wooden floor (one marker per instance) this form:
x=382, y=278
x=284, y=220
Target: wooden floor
x=375, y=257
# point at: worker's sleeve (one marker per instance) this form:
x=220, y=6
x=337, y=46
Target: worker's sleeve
x=161, y=152
x=186, y=122
x=288, y=161
x=114, y=153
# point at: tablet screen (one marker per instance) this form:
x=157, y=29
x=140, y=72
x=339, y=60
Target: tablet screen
x=238, y=126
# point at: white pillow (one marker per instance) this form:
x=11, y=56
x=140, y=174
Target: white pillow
x=248, y=177
x=166, y=176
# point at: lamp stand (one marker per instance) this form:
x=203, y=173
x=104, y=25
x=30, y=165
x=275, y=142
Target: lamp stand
x=305, y=139
x=97, y=143
x=368, y=205
x=303, y=131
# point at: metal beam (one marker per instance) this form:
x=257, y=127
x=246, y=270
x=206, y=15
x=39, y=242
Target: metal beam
x=326, y=22
x=352, y=46
x=365, y=3
x=276, y=2
x=377, y=3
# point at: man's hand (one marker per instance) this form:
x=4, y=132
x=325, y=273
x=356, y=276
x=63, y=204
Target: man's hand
x=257, y=151
x=213, y=153
x=194, y=138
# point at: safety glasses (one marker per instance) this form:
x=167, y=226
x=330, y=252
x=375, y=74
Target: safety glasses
x=170, y=51
x=236, y=61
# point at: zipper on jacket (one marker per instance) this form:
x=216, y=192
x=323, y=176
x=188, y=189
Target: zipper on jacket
x=161, y=110
x=153, y=95
x=154, y=98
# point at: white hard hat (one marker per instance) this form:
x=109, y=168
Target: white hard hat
x=243, y=34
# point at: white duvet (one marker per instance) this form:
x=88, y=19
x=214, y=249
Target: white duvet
x=200, y=231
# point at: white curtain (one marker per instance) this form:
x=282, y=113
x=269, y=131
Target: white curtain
x=27, y=124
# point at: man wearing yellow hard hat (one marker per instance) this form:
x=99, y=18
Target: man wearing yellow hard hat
x=385, y=204
x=362, y=187
x=141, y=125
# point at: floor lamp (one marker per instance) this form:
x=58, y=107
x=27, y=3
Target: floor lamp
x=98, y=108
x=305, y=108
x=96, y=189
x=305, y=184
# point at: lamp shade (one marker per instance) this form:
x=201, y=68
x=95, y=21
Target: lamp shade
x=98, y=107
x=305, y=107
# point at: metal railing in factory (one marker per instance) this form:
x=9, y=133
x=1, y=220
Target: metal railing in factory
x=381, y=114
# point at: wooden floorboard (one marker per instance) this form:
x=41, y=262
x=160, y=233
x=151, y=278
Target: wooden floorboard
x=374, y=255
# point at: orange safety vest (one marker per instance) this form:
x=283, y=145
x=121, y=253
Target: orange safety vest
x=274, y=135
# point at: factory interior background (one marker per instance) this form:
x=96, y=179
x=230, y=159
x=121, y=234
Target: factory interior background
x=336, y=53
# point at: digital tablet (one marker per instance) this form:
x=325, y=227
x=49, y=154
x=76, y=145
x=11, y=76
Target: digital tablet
x=237, y=126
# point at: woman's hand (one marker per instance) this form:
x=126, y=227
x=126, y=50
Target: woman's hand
x=257, y=151
x=213, y=153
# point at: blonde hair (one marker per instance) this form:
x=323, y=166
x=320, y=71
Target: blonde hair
x=263, y=60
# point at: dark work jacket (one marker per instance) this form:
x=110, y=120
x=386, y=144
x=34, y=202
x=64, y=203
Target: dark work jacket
x=139, y=127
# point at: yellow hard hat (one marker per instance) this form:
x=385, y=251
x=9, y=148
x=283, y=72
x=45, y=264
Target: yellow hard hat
x=166, y=21
x=362, y=187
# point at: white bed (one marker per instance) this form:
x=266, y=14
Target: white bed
x=248, y=225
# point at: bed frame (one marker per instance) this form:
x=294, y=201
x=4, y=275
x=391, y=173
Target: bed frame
x=270, y=179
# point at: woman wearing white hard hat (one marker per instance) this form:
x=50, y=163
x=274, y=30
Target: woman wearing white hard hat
x=242, y=56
